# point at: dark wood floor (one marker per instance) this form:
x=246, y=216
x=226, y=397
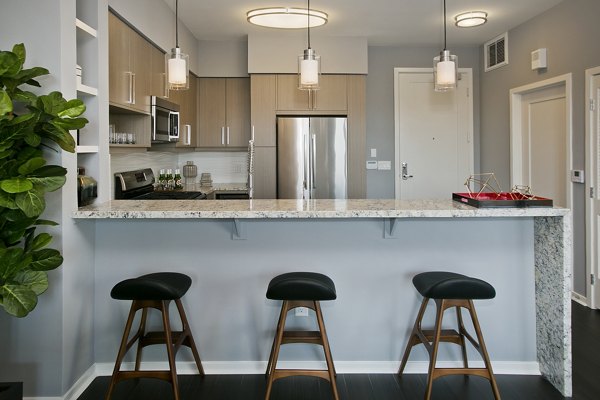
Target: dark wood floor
x=586, y=381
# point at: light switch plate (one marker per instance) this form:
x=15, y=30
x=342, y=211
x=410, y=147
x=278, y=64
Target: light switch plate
x=373, y=153
x=371, y=164
x=384, y=165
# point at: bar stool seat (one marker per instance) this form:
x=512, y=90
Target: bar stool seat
x=449, y=289
x=156, y=291
x=301, y=289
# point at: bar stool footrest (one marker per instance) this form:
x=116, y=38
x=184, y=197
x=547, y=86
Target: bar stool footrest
x=158, y=337
x=482, y=372
x=447, y=335
x=313, y=337
x=284, y=373
x=163, y=375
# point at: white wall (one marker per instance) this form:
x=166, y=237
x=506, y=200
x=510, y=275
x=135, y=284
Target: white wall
x=279, y=53
x=222, y=59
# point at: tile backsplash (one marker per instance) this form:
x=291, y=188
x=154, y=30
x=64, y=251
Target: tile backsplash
x=225, y=167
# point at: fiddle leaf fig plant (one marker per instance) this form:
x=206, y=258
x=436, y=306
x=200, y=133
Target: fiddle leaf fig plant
x=29, y=123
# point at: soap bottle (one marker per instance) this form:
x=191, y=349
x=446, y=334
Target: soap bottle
x=177, y=179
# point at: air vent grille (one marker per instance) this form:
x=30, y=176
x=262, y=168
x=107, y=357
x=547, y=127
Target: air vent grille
x=496, y=52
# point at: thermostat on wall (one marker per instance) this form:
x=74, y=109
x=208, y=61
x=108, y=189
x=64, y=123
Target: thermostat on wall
x=577, y=176
x=539, y=59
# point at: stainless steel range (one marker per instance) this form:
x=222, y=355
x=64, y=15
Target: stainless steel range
x=139, y=185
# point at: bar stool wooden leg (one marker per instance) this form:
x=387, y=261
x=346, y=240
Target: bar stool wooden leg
x=434, y=347
x=189, y=338
x=277, y=345
x=270, y=365
x=140, y=333
x=327, y=350
x=461, y=332
x=414, y=337
x=122, y=350
x=483, y=350
x=170, y=350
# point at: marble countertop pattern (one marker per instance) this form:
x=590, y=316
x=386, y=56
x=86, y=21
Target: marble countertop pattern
x=216, y=187
x=282, y=209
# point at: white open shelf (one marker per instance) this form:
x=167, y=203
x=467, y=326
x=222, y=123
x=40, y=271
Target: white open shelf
x=87, y=89
x=85, y=27
x=86, y=149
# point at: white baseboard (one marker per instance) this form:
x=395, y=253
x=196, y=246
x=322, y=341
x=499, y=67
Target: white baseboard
x=259, y=367
x=581, y=299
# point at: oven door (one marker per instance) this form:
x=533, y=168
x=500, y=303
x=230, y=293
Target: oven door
x=165, y=125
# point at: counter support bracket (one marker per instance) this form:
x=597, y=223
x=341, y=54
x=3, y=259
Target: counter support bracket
x=390, y=226
x=238, y=230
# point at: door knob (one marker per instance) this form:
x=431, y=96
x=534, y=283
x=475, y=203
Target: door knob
x=405, y=175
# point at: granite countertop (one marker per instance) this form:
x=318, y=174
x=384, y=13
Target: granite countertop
x=281, y=209
x=217, y=187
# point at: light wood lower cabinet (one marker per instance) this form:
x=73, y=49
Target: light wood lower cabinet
x=223, y=112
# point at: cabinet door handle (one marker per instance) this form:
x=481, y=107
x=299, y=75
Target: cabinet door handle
x=222, y=135
x=165, y=86
x=227, y=135
x=252, y=134
x=188, y=135
x=133, y=87
x=130, y=86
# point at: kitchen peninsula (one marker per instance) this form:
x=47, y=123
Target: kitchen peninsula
x=370, y=248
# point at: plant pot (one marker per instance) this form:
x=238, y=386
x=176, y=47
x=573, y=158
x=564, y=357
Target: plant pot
x=11, y=390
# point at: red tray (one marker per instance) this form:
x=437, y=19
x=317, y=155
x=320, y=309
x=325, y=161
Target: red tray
x=504, y=199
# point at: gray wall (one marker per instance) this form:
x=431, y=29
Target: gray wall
x=569, y=31
x=376, y=305
x=380, y=104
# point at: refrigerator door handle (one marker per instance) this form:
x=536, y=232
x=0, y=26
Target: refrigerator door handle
x=313, y=163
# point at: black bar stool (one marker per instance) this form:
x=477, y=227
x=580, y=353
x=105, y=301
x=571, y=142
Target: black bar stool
x=450, y=290
x=154, y=291
x=300, y=289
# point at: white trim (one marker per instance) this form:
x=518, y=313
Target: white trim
x=468, y=72
x=579, y=298
x=82, y=383
x=589, y=183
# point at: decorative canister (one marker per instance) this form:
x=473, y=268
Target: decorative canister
x=190, y=172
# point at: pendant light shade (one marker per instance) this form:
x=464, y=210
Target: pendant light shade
x=309, y=63
x=445, y=66
x=178, y=70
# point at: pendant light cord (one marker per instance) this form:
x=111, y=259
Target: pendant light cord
x=444, y=24
x=176, y=23
x=308, y=21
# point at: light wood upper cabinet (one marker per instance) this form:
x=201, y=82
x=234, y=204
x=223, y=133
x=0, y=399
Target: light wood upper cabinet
x=223, y=112
x=187, y=100
x=263, y=95
x=332, y=96
x=158, y=81
x=119, y=90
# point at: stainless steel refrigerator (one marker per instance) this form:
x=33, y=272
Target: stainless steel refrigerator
x=311, y=158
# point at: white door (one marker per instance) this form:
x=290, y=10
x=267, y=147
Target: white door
x=544, y=134
x=434, y=135
x=594, y=219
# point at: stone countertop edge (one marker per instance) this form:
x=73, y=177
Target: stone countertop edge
x=302, y=209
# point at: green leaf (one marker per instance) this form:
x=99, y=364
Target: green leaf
x=7, y=200
x=69, y=124
x=19, y=50
x=27, y=75
x=50, y=170
x=46, y=222
x=40, y=241
x=18, y=300
x=32, y=202
x=51, y=103
x=28, y=152
x=46, y=260
x=49, y=184
x=6, y=105
x=60, y=136
x=9, y=63
x=16, y=185
x=12, y=260
x=36, y=281
x=31, y=165
x=33, y=140
x=73, y=108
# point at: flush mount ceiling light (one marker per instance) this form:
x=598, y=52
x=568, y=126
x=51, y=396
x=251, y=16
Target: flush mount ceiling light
x=471, y=19
x=177, y=62
x=445, y=66
x=286, y=17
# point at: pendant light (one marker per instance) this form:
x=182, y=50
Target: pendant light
x=177, y=62
x=445, y=66
x=309, y=64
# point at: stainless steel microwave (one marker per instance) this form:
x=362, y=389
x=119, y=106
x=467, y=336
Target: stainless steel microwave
x=165, y=120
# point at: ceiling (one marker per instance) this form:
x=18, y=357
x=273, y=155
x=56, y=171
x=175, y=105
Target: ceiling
x=382, y=22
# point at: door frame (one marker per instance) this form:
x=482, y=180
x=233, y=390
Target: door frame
x=516, y=132
x=465, y=73
x=590, y=179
